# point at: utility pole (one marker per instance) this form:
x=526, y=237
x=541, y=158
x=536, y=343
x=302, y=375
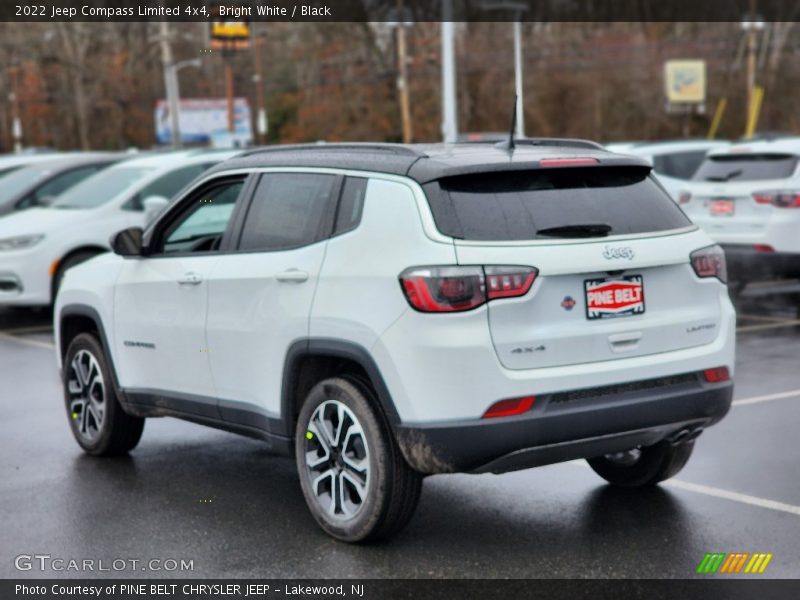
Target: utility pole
x=402, y=77
x=170, y=84
x=229, y=93
x=449, y=105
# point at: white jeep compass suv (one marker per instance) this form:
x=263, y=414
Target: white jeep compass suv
x=384, y=312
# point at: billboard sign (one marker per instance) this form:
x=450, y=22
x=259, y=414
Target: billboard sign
x=202, y=120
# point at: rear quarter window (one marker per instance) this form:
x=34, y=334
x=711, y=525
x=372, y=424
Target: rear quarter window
x=515, y=206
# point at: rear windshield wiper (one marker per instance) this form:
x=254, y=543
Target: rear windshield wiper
x=726, y=177
x=577, y=231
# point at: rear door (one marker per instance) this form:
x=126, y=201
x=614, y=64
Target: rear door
x=260, y=296
x=596, y=298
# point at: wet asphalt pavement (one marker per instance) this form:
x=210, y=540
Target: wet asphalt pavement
x=187, y=492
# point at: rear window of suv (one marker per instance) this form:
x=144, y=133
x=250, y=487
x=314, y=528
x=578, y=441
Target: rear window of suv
x=746, y=167
x=517, y=205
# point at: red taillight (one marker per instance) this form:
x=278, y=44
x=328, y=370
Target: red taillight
x=508, y=282
x=509, y=408
x=684, y=197
x=710, y=262
x=457, y=289
x=546, y=163
x=778, y=198
x=764, y=248
x=717, y=375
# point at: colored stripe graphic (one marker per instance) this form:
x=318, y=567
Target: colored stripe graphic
x=722, y=563
x=711, y=562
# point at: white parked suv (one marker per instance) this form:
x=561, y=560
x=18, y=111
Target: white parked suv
x=383, y=312
x=747, y=198
x=674, y=162
x=38, y=245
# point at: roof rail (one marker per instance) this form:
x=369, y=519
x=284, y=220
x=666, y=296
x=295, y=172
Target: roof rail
x=557, y=142
x=395, y=149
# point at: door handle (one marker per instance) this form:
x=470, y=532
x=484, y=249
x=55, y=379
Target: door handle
x=292, y=276
x=190, y=279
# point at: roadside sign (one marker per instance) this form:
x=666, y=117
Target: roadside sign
x=685, y=81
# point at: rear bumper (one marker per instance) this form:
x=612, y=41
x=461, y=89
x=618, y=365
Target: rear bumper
x=570, y=425
x=747, y=264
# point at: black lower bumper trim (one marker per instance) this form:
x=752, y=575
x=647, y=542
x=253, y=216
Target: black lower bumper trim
x=546, y=436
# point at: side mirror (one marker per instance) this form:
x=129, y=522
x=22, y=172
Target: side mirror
x=128, y=242
x=153, y=205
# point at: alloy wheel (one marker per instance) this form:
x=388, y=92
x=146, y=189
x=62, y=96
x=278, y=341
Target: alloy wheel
x=337, y=460
x=86, y=389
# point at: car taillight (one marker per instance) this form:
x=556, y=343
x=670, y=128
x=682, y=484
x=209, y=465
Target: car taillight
x=457, y=289
x=778, y=198
x=710, y=262
x=684, y=197
x=717, y=375
x=509, y=408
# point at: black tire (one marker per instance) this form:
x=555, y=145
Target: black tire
x=392, y=487
x=100, y=425
x=67, y=263
x=654, y=464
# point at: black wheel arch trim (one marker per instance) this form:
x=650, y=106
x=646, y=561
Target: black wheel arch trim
x=334, y=348
x=86, y=311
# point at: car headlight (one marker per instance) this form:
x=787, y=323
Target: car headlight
x=20, y=242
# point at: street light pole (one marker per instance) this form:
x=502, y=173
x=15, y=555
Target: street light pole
x=449, y=105
x=520, y=133
x=16, y=122
x=170, y=84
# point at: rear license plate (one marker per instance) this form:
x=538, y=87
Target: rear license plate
x=614, y=297
x=722, y=208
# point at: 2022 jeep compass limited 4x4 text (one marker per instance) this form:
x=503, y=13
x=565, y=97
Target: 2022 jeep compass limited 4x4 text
x=385, y=312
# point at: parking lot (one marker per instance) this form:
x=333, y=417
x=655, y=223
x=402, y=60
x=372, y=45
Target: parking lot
x=221, y=501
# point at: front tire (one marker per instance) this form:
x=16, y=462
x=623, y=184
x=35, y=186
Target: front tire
x=642, y=467
x=355, y=480
x=99, y=424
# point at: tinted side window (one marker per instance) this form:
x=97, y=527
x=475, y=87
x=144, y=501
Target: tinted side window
x=351, y=203
x=289, y=210
x=517, y=205
x=681, y=165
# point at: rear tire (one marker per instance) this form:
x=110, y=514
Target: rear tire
x=650, y=466
x=99, y=424
x=355, y=480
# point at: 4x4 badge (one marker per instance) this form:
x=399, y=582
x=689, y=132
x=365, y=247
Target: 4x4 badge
x=618, y=252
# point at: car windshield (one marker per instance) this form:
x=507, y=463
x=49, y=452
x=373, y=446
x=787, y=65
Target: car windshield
x=99, y=189
x=20, y=180
x=749, y=167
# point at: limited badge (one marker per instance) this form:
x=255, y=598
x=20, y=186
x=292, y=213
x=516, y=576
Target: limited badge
x=568, y=303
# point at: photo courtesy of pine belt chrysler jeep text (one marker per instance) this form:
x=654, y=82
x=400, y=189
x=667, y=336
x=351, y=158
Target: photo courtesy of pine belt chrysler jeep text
x=385, y=312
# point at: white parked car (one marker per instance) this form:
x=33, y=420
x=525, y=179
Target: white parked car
x=747, y=198
x=384, y=312
x=12, y=162
x=674, y=162
x=38, y=245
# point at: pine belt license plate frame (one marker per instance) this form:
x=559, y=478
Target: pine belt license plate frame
x=629, y=309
